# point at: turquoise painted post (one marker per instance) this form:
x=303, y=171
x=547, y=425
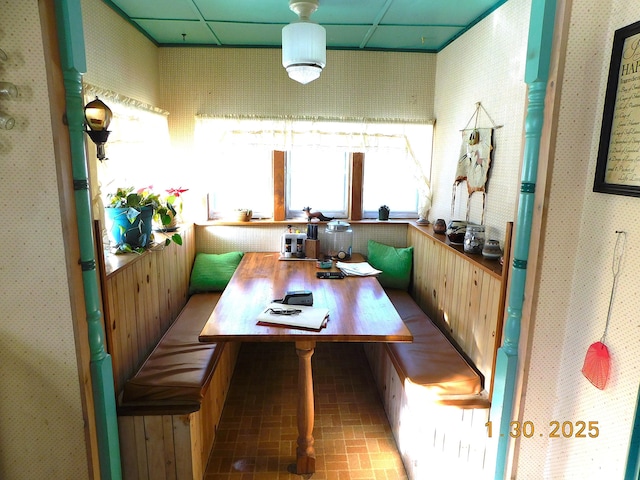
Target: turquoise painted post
x=541, y=26
x=632, y=471
x=71, y=38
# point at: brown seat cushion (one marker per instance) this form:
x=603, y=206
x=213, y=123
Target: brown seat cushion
x=431, y=360
x=174, y=376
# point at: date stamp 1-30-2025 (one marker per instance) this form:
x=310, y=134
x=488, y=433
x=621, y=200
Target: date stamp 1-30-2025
x=557, y=429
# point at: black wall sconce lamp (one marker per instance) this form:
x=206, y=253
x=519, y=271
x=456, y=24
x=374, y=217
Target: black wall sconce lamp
x=97, y=118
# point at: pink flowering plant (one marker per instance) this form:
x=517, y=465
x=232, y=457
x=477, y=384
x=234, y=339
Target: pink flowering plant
x=169, y=208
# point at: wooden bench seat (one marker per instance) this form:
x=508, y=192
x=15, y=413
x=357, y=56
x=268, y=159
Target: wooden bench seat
x=175, y=375
x=433, y=396
x=169, y=410
x=431, y=361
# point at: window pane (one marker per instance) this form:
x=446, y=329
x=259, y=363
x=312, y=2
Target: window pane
x=389, y=180
x=242, y=177
x=317, y=178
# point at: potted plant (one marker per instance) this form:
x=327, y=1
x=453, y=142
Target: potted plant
x=383, y=213
x=131, y=213
x=169, y=211
x=243, y=214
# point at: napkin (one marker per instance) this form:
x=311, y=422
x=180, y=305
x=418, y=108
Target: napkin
x=358, y=269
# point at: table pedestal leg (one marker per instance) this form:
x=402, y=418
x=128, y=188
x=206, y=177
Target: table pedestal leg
x=306, y=453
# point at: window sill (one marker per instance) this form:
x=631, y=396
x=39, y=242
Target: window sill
x=301, y=221
x=114, y=262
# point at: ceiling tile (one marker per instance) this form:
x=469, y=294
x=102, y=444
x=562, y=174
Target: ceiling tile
x=420, y=25
x=246, y=11
x=171, y=32
x=248, y=34
x=412, y=38
x=168, y=9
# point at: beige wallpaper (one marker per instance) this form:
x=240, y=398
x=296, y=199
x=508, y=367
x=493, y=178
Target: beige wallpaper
x=41, y=418
x=215, y=81
x=119, y=58
x=485, y=65
x=228, y=81
x=266, y=238
x=575, y=276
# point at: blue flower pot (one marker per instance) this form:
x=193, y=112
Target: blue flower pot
x=127, y=227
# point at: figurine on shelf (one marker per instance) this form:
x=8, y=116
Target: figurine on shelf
x=318, y=216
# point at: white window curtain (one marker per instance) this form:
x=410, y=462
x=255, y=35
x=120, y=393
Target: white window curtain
x=137, y=149
x=352, y=136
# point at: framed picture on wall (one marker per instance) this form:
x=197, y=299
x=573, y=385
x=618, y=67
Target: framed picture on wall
x=618, y=165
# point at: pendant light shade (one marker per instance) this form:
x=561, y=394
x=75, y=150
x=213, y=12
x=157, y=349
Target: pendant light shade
x=304, y=44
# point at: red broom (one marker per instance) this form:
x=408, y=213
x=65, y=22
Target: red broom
x=597, y=360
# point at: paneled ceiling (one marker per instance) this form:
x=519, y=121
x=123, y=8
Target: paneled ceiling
x=395, y=25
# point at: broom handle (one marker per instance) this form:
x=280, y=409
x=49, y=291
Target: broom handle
x=618, y=252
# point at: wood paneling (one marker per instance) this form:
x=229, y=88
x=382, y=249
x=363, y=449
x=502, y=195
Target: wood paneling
x=462, y=293
x=176, y=447
x=142, y=295
x=465, y=295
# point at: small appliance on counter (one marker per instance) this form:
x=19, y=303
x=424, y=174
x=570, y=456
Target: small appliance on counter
x=292, y=245
x=339, y=239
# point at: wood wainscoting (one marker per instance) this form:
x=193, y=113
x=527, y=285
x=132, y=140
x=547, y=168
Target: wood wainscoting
x=142, y=295
x=463, y=294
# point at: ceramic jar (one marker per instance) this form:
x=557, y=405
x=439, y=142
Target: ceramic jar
x=492, y=249
x=439, y=226
x=474, y=239
x=456, y=231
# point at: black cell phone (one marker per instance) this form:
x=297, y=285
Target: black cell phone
x=330, y=275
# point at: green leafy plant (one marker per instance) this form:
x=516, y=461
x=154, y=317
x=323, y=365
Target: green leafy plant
x=169, y=209
x=134, y=202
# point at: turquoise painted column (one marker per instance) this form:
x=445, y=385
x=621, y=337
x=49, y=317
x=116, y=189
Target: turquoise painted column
x=632, y=471
x=71, y=38
x=541, y=26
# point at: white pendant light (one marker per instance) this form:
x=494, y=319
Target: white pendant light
x=304, y=44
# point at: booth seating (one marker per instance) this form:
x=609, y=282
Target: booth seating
x=169, y=410
x=431, y=361
x=436, y=391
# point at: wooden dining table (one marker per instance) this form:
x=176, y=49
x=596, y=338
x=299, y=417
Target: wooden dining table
x=359, y=311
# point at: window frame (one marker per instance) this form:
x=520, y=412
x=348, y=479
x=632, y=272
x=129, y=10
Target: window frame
x=342, y=214
x=279, y=135
x=355, y=187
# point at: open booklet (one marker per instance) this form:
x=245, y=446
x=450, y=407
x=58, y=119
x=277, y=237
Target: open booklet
x=294, y=316
x=359, y=269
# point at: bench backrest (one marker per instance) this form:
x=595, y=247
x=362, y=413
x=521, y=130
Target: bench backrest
x=463, y=294
x=142, y=296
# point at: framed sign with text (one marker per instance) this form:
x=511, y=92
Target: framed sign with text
x=618, y=166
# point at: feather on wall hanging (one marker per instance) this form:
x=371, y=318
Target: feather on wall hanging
x=474, y=160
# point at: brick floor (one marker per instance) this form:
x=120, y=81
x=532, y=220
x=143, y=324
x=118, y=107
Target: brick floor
x=256, y=438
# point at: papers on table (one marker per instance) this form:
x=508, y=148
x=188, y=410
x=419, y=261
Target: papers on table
x=361, y=269
x=307, y=318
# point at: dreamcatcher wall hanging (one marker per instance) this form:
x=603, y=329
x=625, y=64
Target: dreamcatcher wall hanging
x=474, y=160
